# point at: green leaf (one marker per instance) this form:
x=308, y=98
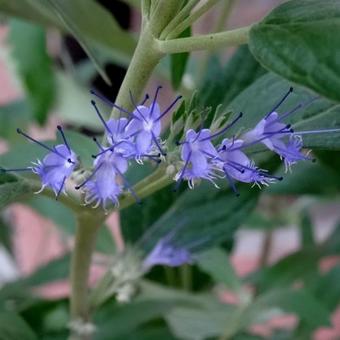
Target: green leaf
x=222, y=84
x=28, y=46
x=115, y=321
x=305, y=306
x=216, y=263
x=327, y=288
x=179, y=63
x=308, y=179
x=307, y=232
x=12, y=115
x=100, y=32
x=204, y=216
x=297, y=40
x=12, y=188
x=13, y=327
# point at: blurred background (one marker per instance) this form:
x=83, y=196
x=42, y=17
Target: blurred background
x=46, y=76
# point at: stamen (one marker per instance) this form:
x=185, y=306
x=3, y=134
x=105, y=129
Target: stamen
x=315, y=131
x=155, y=100
x=60, y=129
x=280, y=102
x=101, y=117
x=224, y=129
x=231, y=183
x=146, y=98
x=20, y=132
x=107, y=101
x=98, y=144
x=180, y=178
x=88, y=178
x=157, y=144
x=169, y=108
x=136, y=107
x=60, y=189
x=15, y=169
x=296, y=108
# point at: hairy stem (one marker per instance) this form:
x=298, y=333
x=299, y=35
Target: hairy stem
x=143, y=62
x=87, y=226
x=212, y=41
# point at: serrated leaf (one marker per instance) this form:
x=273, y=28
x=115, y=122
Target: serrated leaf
x=297, y=40
x=28, y=46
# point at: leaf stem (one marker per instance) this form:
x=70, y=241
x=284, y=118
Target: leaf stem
x=212, y=41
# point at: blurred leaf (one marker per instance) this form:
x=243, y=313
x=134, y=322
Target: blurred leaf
x=299, y=302
x=308, y=179
x=28, y=46
x=223, y=83
x=327, y=288
x=73, y=104
x=307, y=232
x=297, y=41
x=204, y=216
x=179, y=62
x=12, y=115
x=118, y=47
x=198, y=324
x=6, y=234
x=259, y=99
x=64, y=218
x=12, y=188
x=299, y=265
x=67, y=17
x=13, y=327
x=216, y=263
x=150, y=333
x=116, y=321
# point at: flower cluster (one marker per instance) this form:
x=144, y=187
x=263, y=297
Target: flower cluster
x=203, y=160
x=136, y=137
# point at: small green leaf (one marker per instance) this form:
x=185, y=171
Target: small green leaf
x=307, y=232
x=216, y=263
x=179, y=63
x=28, y=46
x=297, y=40
x=13, y=327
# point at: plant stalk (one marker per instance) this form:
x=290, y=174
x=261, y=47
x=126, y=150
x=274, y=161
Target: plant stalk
x=212, y=41
x=87, y=226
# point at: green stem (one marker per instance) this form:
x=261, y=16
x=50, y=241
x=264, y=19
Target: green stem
x=191, y=19
x=143, y=62
x=234, y=37
x=87, y=226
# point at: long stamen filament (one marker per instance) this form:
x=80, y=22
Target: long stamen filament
x=169, y=108
x=60, y=129
x=280, y=102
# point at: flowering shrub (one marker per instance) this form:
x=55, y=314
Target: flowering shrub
x=183, y=176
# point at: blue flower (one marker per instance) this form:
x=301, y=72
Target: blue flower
x=102, y=185
x=168, y=254
x=236, y=165
x=56, y=167
x=146, y=125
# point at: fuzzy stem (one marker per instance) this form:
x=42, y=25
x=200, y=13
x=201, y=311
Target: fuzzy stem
x=143, y=62
x=87, y=227
x=212, y=41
